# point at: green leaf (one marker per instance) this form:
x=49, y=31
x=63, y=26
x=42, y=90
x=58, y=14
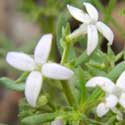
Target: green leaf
x=82, y=59
x=110, y=53
x=115, y=73
x=11, y=84
x=82, y=82
x=68, y=49
x=95, y=94
x=72, y=54
x=41, y=118
x=119, y=56
x=61, y=22
x=75, y=87
x=95, y=71
x=65, y=32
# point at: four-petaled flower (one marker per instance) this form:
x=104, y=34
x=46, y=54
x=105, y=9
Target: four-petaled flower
x=115, y=93
x=90, y=26
x=39, y=67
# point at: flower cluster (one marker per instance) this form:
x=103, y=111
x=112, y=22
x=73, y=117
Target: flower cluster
x=39, y=67
x=114, y=94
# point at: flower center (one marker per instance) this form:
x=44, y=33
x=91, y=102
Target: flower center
x=38, y=67
x=92, y=22
x=117, y=91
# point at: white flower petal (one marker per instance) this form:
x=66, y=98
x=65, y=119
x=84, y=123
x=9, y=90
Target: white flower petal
x=78, y=32
x=106, y=84
x=33, y=87
x=56, y=71
x=106, y=31
x=122, y=100
x=101, y=109
x=119, y=115
x=111, y=101
x=92, y=11
x=78, y=14
x=121, y=81
x=20, y=61
x=92, y=39
x=58, y=121
x=43, y=48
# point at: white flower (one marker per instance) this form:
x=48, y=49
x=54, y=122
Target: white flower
x=90, y=26
x=39, y=67
x=115, y=94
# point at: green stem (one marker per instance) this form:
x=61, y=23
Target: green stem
x=68, y=93
x=65, y=85
x=23, y=77
x=65, y=54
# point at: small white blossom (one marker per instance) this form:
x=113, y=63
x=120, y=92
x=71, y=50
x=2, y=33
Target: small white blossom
x=90, y=26
x=114, y=94
x=39, y=67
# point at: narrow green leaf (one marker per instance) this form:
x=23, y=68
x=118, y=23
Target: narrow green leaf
x=110, y=52
x=115, y=73
x=94, y=122
x=82, y=59
x=82, y=84
x=41, y=118
x=95, y=71
x=10, y=84
x=95, y=94
x=61, y=22
x=72, y=54
x=119, y=56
